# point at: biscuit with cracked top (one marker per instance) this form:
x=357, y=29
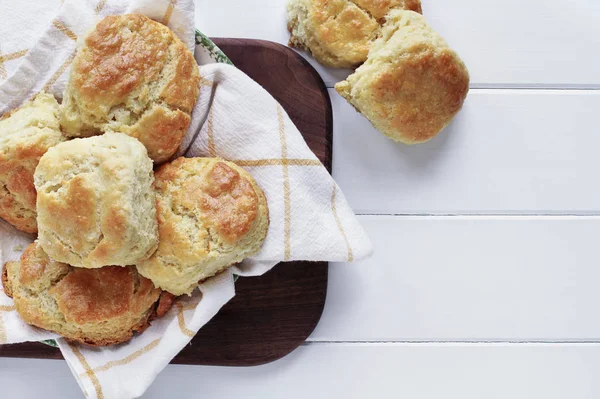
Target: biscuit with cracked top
x=211, y=215
x=132, y=75
x=339, y=33
x=95, y=202
x=92, y=306
x=25, y=135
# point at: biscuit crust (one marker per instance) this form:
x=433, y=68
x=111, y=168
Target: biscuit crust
x=211, y=215
x=97, y=307
x=339, y=33
x=412, y=84
x=132, y=75
x=95, y=202
x=379, y=8
x=25, y=135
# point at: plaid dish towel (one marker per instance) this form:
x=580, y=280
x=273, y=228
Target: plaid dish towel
x=235, y=119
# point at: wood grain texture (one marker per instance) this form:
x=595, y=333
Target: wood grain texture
x=273, y=314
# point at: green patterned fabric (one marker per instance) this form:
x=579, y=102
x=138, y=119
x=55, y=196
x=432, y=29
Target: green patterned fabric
x=215, y=52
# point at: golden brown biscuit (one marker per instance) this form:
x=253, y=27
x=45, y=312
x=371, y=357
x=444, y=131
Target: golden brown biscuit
x=25, y=135
x=96, y=206
x=379, y=8
x=132, y=75
x=211, y=214
x=339, y=33
x=412, y=84
x=96, y=307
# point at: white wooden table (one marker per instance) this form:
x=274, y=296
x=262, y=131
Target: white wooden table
x=484, y=283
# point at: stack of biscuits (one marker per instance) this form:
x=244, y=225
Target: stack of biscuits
x=120, y=230
x=408, y=82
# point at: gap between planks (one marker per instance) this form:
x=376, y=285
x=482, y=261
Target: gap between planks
x=491, y=216
x=530, y=87
x=591, y=342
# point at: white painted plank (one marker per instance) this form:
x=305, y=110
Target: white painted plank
x=357, y=371
x=503, y=42
x=522, y=43
x=508, y=151
x=34, y=379
x=470, y=278
x=340, y=371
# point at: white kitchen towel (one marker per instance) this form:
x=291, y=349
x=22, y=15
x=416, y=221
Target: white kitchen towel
x=235, y=119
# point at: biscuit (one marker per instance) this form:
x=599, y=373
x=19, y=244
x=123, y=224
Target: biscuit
x=92, y=306
x=211, y=214
x=132, y=75
x=25, y=135
x=339, y=33
x=412, y=84
x=379, y=8
x=95, y=202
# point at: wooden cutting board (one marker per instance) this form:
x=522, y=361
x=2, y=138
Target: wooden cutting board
x=273, y=314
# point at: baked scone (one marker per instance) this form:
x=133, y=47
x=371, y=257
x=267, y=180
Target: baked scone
x=25, y=135
x=379, y=8
x=412, y=84
x=132, y=75
x=211, y=214
x=95, y=202
x=339, y=33
x=92, y=306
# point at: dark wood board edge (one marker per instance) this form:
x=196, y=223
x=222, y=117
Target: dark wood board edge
x=271, y=315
